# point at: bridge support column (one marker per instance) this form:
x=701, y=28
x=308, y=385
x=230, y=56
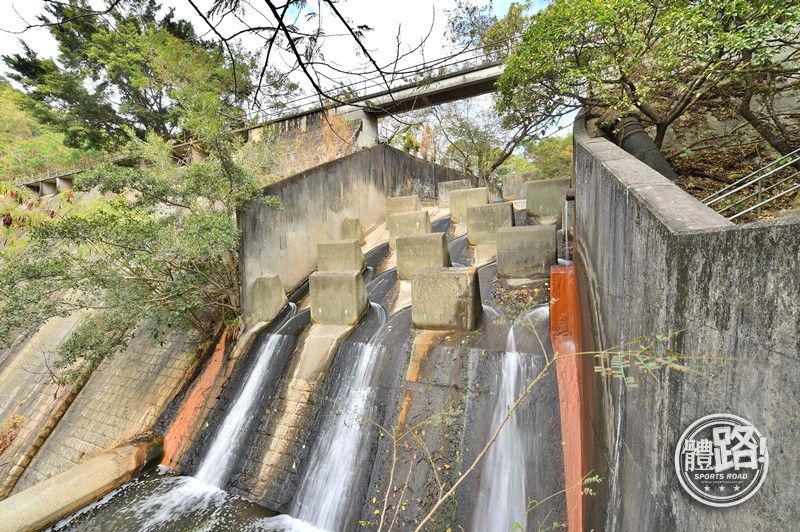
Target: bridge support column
x=368, y=134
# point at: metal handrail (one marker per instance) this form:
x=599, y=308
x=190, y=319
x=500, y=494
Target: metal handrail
x=710, y=200
x=768, y=200
x=759, y=193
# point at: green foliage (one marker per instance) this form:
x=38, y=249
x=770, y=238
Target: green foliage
x=646, y=355
x=159, y=245
x=552, y=156
x=106, y=77
x=654, y=59
x=516, y=164
x=28, y=148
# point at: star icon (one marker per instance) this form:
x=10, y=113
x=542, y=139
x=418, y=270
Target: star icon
x=736, y=488
x=722, y=488
x=707, y=488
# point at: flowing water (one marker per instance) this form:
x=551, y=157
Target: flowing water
x=325, y=497
x=502, y=498
x=164, y=501
x=216, y=464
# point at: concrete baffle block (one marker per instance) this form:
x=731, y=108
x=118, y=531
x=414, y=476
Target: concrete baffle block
x=402, y=204
x=408, y=223
x=340, y=255
x=515, y=186
x=526, y=252
x=265, y=298
x=444, y=188
x=446, y=299
x=337, y=298
x=483, y=221
x=421, y=251
x=460, y=200
x=546, y=200
x=352, y=230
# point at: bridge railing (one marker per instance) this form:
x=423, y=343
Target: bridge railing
x=365, y=86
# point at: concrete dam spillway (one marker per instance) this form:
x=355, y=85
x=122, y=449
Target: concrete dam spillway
x=331, y=396
x=359, y=399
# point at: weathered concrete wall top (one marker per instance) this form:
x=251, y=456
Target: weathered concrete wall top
x=655, y=261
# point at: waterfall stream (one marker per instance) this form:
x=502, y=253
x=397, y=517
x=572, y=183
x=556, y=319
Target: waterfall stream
x=324, y=498
x=502, y=499
x=216, y=464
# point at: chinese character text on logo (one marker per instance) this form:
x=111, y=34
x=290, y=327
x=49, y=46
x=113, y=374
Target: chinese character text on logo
x=721, y=460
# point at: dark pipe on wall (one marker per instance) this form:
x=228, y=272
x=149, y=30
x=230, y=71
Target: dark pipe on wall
x=629, y=134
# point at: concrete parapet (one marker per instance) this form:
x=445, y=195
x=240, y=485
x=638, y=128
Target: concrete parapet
x=351, y=229
x=408, y=223
x=483, y=221
x=421, y=251
x=546, y=200
x=340, y=255
x=515, y=186
x=402, y=204
x=526, y=252
x=444, y=189
x=337, y=298
x=460, y=200
x=265, y=299
x=45, y=503
x=446, y=299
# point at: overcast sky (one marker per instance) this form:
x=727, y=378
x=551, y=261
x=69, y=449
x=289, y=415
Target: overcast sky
x=414, y=18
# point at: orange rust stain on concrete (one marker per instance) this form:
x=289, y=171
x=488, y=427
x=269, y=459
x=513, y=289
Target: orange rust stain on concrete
x=565, y=334
x=421, y=346
x=180, y=430
x=404, y=409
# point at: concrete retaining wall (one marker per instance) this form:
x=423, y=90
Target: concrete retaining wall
x=407, y=175
x=653, y=261
x=316, y=204
x=123, y=397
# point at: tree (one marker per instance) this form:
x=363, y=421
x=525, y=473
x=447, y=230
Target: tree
x=476, y=142
x=159, y=247
x=552, y=156
x=29, y=148
x=653, y=59
x=104, y=80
